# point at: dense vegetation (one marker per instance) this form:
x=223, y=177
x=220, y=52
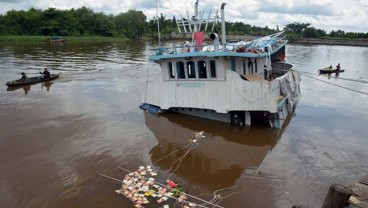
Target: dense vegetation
x=131, y=24
x=307, y=31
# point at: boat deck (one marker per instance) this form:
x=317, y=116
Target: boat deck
x=253, y=77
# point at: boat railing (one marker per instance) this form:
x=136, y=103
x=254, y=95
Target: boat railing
x=246, y=47
x=255, y=46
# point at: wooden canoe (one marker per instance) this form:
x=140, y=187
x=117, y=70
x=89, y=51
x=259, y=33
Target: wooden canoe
x=31, y=80
x=327, y=71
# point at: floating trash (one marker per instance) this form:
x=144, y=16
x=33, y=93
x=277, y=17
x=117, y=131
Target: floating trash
x=140, y=187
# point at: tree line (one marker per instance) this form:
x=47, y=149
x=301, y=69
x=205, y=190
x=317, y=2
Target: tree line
x=131, y=24
x=307, y=31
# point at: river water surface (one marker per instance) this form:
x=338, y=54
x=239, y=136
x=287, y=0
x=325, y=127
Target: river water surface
x=56, y=137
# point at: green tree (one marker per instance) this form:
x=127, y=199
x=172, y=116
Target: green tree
x=14, y=22
x=86, y=21
x=130, y=24
x=104, y=25
x=338, y=33
x=311, y=32
x=297, y=28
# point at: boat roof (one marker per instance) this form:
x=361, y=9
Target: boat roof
x=164, y=53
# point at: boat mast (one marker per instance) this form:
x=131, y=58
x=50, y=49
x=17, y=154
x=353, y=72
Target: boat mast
x=158, y=25
x=223, y=24
x=195, y=29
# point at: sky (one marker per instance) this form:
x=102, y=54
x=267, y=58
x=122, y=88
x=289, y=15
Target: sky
x=328, y=15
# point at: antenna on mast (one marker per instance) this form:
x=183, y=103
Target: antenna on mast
x=196, y=21
x=158, y=25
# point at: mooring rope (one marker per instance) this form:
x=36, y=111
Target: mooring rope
x=171, y=153
x=361, y=92
x=181, y=158
x=217, y=198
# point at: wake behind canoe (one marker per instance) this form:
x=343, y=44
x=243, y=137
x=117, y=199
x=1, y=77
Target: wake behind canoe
x=31, y=80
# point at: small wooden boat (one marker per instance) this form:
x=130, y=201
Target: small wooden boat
x=327, y=71
x=55, y=39
x=31, y=80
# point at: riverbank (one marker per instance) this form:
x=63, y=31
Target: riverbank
x=325, y=41
x=188, y=36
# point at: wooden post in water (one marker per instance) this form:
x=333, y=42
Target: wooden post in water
x=337, y=196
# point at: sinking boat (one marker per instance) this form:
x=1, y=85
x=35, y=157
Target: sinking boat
x=240, y=83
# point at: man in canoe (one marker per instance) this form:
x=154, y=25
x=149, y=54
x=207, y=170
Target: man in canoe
x=329, y=67
x=24, y=77
x=338, y=67
x=45, y=73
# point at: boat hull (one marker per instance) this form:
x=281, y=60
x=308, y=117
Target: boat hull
x=31, y=80
x=262, y=101
x=326, y=71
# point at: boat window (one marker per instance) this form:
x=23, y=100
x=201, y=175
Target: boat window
x=250, y=65
x=180, y=70
x=171, y=70
x=191, y=69
x=244, y=67
x=202, y=69
x=233, y=68
x=255, y=66
x=213, y=69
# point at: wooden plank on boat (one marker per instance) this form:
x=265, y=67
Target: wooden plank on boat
x=253, y=77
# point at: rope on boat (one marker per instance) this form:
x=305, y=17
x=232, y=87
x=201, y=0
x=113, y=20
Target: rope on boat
x=193, y=144
x=171, y=153
x=217, y=198
x=181, y=158
x=145, y=90
x=262, y=162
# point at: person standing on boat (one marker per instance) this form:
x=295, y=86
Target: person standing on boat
x=198, y=38
x=45, y=73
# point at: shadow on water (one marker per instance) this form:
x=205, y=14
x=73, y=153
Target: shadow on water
x=45, y=85
x=219, y=159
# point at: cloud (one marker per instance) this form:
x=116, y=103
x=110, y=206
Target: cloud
x=11, y=1
x=322, y=14
x=298, y=7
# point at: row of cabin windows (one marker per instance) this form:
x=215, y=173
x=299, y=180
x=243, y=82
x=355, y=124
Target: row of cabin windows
x=189, y=70
x=249, y=66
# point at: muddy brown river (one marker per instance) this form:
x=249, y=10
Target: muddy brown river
x=57, y=137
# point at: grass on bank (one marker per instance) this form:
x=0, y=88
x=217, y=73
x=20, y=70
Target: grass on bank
x=13, y=38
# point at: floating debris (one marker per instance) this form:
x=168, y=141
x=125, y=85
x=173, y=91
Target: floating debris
x=140, y=186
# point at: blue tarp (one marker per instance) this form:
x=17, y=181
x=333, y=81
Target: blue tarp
x=150, y=108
